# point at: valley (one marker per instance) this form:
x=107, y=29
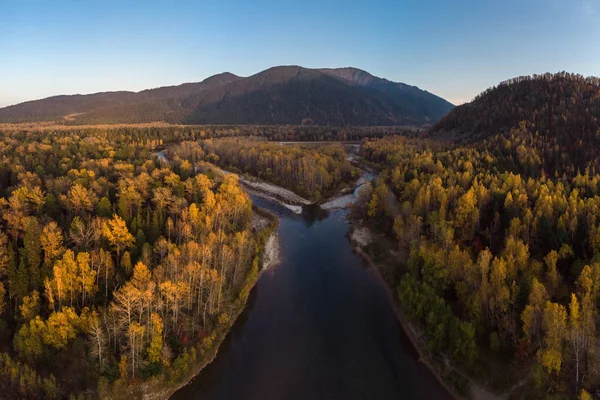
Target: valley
x=314, y=200
x=270, y=261
x=318, y=324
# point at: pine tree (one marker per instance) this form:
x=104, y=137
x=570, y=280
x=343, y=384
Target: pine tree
x=126, y=263
x=22, y=279
x=134, y=225
x=33, y=252
x=2, y=296
x=104, y=208
x=140, y=240
x=11, y=271
x=154, y=232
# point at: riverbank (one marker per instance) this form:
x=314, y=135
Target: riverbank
x=204, y=352
x=360, y=238
x=458, y=384
x=342, y=200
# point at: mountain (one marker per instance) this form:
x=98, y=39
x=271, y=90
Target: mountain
x=563, y=106
x=278, y=95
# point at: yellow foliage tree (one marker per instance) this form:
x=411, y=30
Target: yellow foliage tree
x=30, y=306
x=156, y=341
x=51, y=240
x=116, y=232
x=554, y=325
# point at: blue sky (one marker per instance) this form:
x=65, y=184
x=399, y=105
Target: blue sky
x=455, y=49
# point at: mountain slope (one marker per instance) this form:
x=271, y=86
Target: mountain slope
x=563, y=105
x=279, y=95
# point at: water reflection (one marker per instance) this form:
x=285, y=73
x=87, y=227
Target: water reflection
x=313, y=213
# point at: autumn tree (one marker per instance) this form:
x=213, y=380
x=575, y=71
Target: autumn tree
x=155, y=348
x=51, y=241
x=80, y=199
x=554, y=324
x=116, y=232
x=467, y=215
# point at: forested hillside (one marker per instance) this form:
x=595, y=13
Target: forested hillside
x=502, y=237
x=279, y=95
x=114, y=268
x=562, y=107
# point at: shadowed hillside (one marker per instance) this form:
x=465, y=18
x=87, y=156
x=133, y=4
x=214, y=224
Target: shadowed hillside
x=565, y=106
x=279, y=95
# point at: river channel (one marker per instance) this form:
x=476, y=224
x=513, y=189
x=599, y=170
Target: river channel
x=319, y=325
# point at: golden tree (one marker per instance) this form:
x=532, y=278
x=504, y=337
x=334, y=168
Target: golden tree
x=116, y=232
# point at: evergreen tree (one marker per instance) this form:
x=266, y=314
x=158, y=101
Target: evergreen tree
x=22, y=282
x=140, y=240
x=126, y=263
x=33, y=252
x=104, y=208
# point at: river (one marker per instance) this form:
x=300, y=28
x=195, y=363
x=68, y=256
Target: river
x=317, y=326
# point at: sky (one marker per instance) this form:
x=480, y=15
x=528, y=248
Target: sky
x=455, y=49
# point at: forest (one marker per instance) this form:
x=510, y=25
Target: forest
x=498, y=241
x=164, y=134
x=563, y=106
x=311, y=172
x=115, y=268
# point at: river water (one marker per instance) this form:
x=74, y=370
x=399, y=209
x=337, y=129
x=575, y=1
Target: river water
x=317, y=326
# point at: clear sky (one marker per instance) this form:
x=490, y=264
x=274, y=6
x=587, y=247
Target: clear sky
x=453, y=48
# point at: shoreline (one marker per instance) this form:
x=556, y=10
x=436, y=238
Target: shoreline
x=407, y=327
x=337, y=202
x=268, y=257
x=476, y=390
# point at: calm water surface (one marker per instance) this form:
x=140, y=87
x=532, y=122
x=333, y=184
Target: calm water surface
x=317, y=326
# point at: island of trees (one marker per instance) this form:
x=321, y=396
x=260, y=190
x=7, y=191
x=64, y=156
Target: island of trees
x=314, y=172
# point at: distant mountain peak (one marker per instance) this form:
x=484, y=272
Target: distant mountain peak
x=287, y=94
x=350, y=74
x=223, y=77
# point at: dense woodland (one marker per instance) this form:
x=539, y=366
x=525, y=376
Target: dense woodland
x=169, y=134
x=117, y=268
x=502, y=237
x=114, y=268
x=563, y=107
x=312, y=172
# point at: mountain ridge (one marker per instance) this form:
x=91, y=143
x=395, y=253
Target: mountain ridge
x=287, y=94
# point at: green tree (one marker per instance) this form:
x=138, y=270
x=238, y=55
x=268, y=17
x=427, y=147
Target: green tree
x=126, y=263
x=21, y=285
x=2, y=297
x=33, y=252
x=551, y=272
x=104, y=208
